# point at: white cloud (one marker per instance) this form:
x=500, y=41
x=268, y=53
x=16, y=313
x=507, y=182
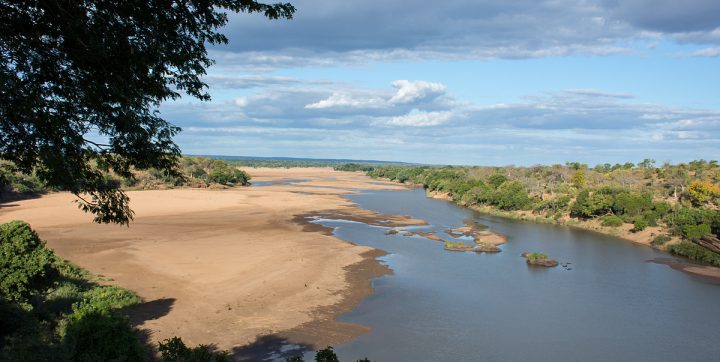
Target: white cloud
x=413, y=91
x=415, y=94
x=346, y=100
x=420, y=119
x=706, y=52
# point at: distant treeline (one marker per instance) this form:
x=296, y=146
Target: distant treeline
x=682, y=200
x=192, y=171
x=302, y=162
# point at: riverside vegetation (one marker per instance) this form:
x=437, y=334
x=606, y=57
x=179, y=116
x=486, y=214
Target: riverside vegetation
x=681, y=201
x=191, y=172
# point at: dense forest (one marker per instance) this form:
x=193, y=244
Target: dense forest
x=680, y=202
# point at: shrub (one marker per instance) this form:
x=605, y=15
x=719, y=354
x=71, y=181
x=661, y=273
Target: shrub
x=26, y=266
x=482, y=194
x=703, y=191
x=696, y=232
x=175, y=350
x=694, y=223
x=511, y=195
x=92, y=333
x=639, y=224
x=632, y=203
x=612, y=221
x=695, y=252
x=661, y=208
x=110, y=297
x=531, y=257
x=495, y=180
x=660, y=240
x=590, y=204
x=326, y=355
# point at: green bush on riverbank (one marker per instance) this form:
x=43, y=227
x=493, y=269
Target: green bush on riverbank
x=681, y=199
x=695, y=252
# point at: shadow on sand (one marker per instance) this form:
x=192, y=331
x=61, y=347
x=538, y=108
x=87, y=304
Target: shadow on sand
x=269, y=348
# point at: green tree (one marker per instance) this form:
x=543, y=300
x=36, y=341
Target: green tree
x=647, y=163
x=703, y=191
x=175, y=350
x=495, y=180
x=590, y=204
x=92, y=333
x=511, y=195
x=27, y=268
x=326, y=355
x=578, y=179
x=80, y=83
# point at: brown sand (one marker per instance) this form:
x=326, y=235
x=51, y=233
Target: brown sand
x=228, y=266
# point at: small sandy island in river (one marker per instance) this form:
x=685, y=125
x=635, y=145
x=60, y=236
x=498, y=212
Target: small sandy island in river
x=228, y=266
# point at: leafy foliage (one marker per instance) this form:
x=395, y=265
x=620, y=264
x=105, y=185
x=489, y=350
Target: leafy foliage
x=175, y=350
x=660, y=240
x=695, y=252
x=639, y=224
x=326, y=355
x=703, y=191
x=224, y=174
x=26, y=266
x=532, y=257
x=95, y=333
x=354, y=167
x=81, y=81
x=612, y=221
x=593, y=203
x=71, y=319
x=694, y=223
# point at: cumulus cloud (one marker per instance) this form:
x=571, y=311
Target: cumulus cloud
x=410, y=92
x=339, y=100
x=418, y=94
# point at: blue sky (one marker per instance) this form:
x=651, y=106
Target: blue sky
x=465, y=82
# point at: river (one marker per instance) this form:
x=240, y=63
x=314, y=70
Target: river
x=608, y=304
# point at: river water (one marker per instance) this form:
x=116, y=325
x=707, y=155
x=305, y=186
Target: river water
x=608, y=304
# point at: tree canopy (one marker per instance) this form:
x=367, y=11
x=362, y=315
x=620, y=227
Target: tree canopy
x=81, y=81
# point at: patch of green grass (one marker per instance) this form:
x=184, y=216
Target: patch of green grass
x=454, y=244
x=536, y=256
x=660, y=240
x=611, y=221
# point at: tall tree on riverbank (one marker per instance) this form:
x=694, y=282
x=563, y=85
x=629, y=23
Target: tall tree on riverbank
x=80, y=83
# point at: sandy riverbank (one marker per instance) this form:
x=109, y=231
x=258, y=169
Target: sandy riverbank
x=232, y=267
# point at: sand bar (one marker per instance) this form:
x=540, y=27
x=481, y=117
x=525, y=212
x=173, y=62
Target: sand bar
x=231, y=267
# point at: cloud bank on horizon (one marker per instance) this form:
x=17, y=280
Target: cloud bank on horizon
x=466, y=82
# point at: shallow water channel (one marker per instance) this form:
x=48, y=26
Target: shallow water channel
x=609, y=304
